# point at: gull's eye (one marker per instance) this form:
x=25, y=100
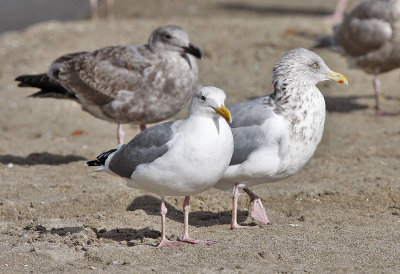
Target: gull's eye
x=167, y=36
x=202, y=98
x=315, y=65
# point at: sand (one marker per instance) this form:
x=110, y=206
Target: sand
x=340, y=213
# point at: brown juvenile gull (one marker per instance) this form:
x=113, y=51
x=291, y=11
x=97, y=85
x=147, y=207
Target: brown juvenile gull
x=126, y=84
x=275, y=135
x=179, y=158
x=370, y=37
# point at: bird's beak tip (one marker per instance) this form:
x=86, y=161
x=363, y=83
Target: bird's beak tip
x=337, y=77
x=224, y=113
x=193, y=50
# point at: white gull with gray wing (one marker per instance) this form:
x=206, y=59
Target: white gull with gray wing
x=179, y=158
x=275, y=135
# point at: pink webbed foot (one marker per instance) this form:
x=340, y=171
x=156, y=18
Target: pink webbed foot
x=186, y=238
x=195, y=241
x=235, y=196
x=168, y=243
x=164, y=241
x=258, y=212
x=257, y=209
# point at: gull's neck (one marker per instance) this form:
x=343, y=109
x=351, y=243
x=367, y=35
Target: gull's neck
x=291, y=97
x=302, y=105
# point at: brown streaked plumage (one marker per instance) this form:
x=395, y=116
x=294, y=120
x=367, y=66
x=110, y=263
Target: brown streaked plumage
x=126, y=84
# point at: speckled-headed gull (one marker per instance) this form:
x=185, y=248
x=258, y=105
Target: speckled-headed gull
x=179, y=158
x=126, y=84
x=275, y=135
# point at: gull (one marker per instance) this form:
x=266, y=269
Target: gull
x=126, y=84
x=275, y=135
x=369, y=36
x=179, y=158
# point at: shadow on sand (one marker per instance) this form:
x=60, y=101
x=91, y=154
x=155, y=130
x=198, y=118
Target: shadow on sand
x=270, y=10
x=59, y=231
x=117, y=234
x=128, y=234
x=344, y=104
x=151, y=206
x=42, y=158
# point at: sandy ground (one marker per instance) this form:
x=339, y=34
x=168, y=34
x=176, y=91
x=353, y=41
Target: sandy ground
x=341, y=213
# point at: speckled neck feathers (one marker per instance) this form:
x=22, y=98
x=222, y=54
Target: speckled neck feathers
x=299, y=102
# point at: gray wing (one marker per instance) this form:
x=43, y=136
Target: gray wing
x=146, y=147
x=366, y=27
x=97, y=76
x=246, y=120
x=253, y=112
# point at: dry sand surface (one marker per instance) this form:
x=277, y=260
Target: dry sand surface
x=341, y=213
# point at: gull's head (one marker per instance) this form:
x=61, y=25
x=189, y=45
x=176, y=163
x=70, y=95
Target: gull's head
x=172, y=38
x=209, y=101
x=304, y=66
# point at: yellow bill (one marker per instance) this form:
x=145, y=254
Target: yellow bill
x=224, y=113
x=337, y=77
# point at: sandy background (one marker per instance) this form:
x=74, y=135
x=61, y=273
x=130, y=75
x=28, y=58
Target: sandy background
x=341, y=213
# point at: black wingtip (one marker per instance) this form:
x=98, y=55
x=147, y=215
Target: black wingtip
x=101, y=159
x=93, y=163
x=29, y=78
x=48, y=88
x=37, y=94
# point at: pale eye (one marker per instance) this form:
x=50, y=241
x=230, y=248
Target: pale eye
x=315, y=65
x=202, y=98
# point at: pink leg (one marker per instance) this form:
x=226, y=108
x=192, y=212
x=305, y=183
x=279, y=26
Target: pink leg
x=186, y=237
x=257, y=210
x=142, y=127
x=337, y=16
x=164, y=241
x=110, y=9
x=120, y=134
x=94, y=9
x=235, y=197
x=377, y=87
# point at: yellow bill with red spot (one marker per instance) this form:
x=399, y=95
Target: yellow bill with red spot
x=337, y=77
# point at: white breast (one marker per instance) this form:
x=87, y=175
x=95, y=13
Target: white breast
x=195, y=161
